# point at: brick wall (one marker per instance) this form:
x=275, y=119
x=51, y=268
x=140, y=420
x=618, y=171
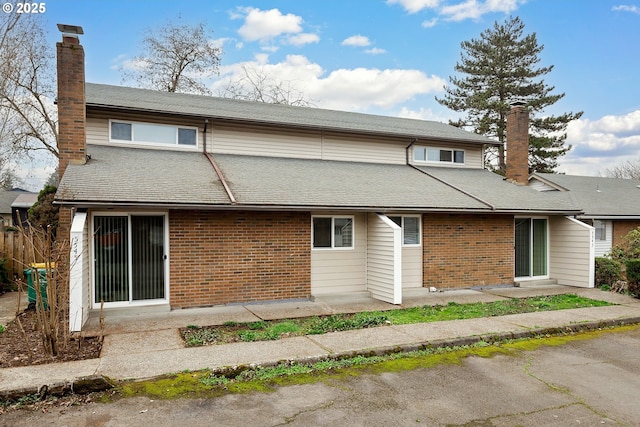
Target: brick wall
x=621, y=228
x=225, y=257
x=461, y=251
x=71, y=103
x=518, y=145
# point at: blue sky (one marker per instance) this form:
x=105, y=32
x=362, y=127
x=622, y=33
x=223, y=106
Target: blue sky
x=392, y=57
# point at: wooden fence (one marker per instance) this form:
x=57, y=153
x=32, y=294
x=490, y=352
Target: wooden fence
x=13, y=251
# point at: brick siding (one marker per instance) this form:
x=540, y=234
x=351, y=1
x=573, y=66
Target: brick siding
x=226, y=257
x=518, y=145
x=621, y=228
x=462, y=251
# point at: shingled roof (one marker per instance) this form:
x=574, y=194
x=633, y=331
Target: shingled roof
x=598, y=197
x=126, y=98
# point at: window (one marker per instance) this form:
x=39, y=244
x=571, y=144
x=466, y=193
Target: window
x=332, y=232
x=410, y=228
x=438, y=155
x=601, y=230
x=149, y=133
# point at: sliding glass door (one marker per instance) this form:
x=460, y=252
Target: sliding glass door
x=531, y=247
x=129, y=258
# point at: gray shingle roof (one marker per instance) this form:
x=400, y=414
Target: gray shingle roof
x=598, y=196
x=106, y=96
x=137, y=176
x=503, y=195
x=126, y=175
x=323, y=183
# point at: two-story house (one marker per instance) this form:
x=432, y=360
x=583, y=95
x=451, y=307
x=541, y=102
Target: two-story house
x=176, y=201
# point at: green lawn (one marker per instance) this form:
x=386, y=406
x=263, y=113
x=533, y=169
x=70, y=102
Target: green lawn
x=276, y=329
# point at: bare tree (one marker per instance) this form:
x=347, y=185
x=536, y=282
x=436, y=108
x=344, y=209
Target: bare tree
x=257, y=85
x=626, y=170
x=175, y=58
x=28, y=118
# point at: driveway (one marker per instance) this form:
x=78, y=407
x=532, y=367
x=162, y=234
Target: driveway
x=591, y=382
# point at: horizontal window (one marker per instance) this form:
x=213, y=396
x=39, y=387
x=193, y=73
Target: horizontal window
x=332, y=232
x=150, y=133
x=410, y=228
x=438, y=155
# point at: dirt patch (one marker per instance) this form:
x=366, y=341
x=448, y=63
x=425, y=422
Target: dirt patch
x=14, y=345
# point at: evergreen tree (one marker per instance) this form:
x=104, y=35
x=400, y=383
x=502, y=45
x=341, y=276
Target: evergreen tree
x=500, y=67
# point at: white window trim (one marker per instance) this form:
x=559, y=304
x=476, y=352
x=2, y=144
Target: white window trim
x=151, y=143
x=545, y=276
x=439, y=162
x=333, y=248
x=402, y=217
x=131, y=303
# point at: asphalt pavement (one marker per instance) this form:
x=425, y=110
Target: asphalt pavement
x=148, y=345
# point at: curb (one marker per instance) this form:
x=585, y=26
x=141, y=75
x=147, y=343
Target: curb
x=95, y=383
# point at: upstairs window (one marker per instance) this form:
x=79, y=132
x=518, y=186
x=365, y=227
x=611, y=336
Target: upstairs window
x=410, y=229
x=151, y=133
x=438, y=155
x=601, y=230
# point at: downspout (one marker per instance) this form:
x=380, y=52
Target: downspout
x=466, y=193
x=406, y=150
x=215, y=165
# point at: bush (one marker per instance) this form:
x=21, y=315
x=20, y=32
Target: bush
x=633, y=276
x=608, y=272
x=628, y=248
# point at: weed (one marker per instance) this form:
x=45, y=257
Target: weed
x=257, y=325
x=230, y=323
x=2, y=329
x=192, y=327
x=247, y=335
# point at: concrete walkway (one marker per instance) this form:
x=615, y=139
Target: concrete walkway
x=147, y=346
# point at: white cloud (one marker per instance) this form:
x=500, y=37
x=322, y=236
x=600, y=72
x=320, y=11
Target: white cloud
x=267, y=24
x=413, y=6
x=302, y=39
x=627, y=8
x=474, y=9
x=356, y=40
x=358, y=89
x=375, y=51
x=430, y=23
x=458, y=11
x=602, y=144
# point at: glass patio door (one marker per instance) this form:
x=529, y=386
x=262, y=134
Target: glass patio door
x=129, y=261
x=530, y=247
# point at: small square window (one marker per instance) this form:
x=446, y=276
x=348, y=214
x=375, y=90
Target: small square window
x=121, y=131
x=332, y=232
x=186, y=136
x=458, y=156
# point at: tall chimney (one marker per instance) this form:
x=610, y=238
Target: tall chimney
x=71, y=99
x=518, y=144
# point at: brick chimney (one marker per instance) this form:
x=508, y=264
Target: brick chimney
x=71, y=100
x=518, y=144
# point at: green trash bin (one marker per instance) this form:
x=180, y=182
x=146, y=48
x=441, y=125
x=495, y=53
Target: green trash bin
x=31, y=285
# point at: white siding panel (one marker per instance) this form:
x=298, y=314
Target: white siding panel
x=603, y=247
x=338, y=271
x=571, y=252
x=253, y=141
x=412, y=267
x=384, y=259
x=362, y=150
x=79, y=283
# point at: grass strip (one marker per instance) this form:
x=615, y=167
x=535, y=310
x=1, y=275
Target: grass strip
x=272, y=330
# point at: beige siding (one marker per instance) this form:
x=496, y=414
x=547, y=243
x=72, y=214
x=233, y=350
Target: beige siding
x=369, y=150
x=255, y=141
x=341, y=270
x=412, y=267
x=571, y=252
x=384, y=259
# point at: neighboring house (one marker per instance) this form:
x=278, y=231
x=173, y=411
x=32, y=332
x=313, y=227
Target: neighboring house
x=177, y=201
x=610, y=205
x=14, y=207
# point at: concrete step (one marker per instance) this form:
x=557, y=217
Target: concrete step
x=536, y=283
